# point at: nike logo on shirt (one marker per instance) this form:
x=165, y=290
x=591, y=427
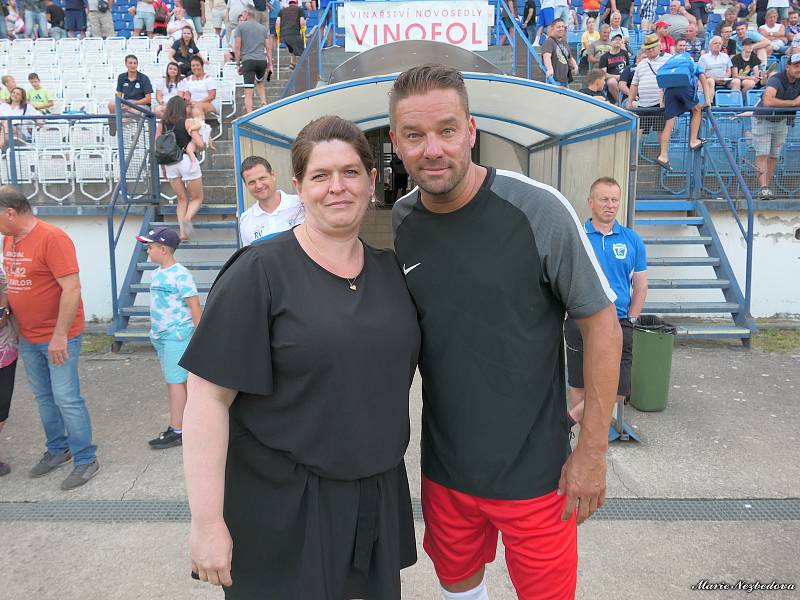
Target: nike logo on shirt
x=409, y=269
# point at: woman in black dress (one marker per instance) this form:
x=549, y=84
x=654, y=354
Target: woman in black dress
x=297, y=417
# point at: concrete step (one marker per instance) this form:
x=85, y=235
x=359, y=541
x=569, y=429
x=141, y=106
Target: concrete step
x=130, y=334
x=209, y=265
x=691, y=307
x=206, y=209
x=678, y=240
x=144, y=288
x=198, y=224
x=688, y=284
x=711, y=331
x=695, y=221
x=682, y=261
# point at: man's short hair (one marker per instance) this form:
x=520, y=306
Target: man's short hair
x=6, y=78
x=133, y=56
x=740, y=24
x=605, y=26
x=747, y=42
x=11, y=197
x=594, y=75
x=32, y=76
x=426, y=78
x=604, y=181
x=771, y=11
x=253, y=161
x=556, y=21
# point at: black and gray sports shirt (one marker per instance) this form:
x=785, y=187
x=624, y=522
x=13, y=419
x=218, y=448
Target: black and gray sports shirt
x=492, y=282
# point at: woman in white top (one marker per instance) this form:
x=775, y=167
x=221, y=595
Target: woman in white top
x=18, y=106
x=169, y=87
x=200, y=88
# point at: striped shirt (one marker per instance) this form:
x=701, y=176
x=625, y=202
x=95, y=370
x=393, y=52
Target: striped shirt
x=645, y=78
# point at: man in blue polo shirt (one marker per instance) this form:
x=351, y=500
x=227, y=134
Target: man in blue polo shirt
x=621, y=254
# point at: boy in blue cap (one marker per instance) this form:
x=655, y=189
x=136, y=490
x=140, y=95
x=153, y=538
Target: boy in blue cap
x=174, y=313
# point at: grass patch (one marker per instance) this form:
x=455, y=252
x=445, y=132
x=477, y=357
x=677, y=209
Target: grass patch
x=96, y=342
x=777, y=340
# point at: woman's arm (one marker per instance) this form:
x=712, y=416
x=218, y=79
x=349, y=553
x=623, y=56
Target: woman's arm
x=212, y=94
x=205, y=441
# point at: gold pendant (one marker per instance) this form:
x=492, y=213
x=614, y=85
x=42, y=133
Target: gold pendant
x=353, y=287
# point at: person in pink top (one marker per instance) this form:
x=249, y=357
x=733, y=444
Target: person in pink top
x=8, y=359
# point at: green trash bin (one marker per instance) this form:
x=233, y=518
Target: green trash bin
x=652, y=363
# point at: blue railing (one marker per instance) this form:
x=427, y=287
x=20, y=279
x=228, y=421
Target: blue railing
x=311, y=67
x=136, y=128
x=722, y=172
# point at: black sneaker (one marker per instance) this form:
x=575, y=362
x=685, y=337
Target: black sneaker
x=5, y=469
x=167, y=439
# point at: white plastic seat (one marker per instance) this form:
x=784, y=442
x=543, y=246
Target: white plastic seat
x=103, y=91
x=92, y=44
x=93, y=166
x=25, y=162
x=100, y=73
x=68, y=45
x=138, y=45
x=75, y=90
x=72, y=62
x=54, y=167
x=44, y=45
x=50, y=135
x=226, y=94
x=117, y=43
x=73, y=74
x=230, y=72
x=5, y=46
x=87, y=134
x=21, y=45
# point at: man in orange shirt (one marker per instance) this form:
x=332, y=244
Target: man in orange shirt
x=44, y=295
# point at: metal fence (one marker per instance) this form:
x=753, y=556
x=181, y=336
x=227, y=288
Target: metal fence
x=74, y=159
x=705, y=173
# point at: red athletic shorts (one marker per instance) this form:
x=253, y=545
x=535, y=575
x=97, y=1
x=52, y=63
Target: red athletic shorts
x=541, y=549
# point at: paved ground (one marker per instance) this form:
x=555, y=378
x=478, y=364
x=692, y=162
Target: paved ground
x=730, y=432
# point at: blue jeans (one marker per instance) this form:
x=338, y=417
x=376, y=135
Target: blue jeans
x=198, y=25
x=32, y=18
x=626, y=20
x=3, y=29
x=57, y=33
x=62, y=409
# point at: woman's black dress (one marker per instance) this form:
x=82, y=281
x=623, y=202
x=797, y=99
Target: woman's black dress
x=316, y=494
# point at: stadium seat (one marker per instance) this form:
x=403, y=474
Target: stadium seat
x=753, y=96
x=68, y=45
x=92, y=45
x=50, y=135
x=115, y=44
x=139, y=46
x=76, y=90
x=93, y=166
x=728, y=98
x=54, y=167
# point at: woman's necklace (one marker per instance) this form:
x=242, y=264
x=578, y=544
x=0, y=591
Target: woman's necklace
x=351, y=282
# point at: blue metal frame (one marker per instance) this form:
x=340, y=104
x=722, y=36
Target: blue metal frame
x=243, y=126
x=120, y=192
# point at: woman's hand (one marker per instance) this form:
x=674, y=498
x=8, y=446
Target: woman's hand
x=211, y=551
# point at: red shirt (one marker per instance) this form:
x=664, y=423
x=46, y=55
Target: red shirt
x=32, y=266
x=667, y=42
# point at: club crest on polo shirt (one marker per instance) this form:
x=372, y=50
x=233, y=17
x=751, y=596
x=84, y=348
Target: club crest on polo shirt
x=620, y=251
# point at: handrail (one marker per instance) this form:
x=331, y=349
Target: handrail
x=120, y=189
x=519, y=34
x=750, y=209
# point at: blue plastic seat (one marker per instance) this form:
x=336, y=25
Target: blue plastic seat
x=753, y=96
x=728, y=98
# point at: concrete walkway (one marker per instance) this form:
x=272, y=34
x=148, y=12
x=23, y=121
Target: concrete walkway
x=728, y=439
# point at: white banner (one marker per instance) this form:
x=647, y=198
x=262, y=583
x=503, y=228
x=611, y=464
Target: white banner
x=460, y=23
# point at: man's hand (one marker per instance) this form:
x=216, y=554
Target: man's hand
x=583, y=480
x=57, y=349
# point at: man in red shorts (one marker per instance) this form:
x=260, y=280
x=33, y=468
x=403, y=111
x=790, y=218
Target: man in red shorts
x=493, y=261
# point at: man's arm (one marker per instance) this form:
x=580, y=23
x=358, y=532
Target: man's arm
x=639, y=294
x=634, y=88
x=144, y=101
x=769, y=99
x=548, y=63
x=67, y=309
x=762, y=43
x=583, y=477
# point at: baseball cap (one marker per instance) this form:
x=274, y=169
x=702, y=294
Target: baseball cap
x=794, y=59
x=661, y=24
x=161, y=235
x=618, y=35
x=651, y=41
